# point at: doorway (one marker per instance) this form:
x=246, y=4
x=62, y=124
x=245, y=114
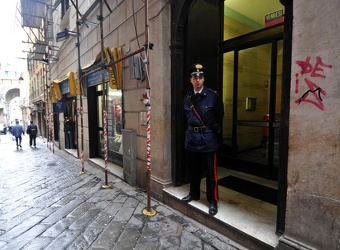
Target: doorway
x=242, y=33
x=252, y=94
x=114, y=123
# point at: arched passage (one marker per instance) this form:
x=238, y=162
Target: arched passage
x=9, y=96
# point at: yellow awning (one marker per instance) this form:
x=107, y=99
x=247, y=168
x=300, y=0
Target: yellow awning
x=73, y=83
x=117, y=68
x=55, y=91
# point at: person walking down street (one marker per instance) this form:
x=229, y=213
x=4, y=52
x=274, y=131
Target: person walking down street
x=32, y=130
x=17, y=131
x=204, y=115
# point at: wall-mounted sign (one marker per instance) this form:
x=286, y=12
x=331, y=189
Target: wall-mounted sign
x=273, y=18
x=64, y=87
x=96, y=78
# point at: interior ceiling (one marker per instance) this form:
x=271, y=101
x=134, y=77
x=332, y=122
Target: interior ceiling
x=254, y=9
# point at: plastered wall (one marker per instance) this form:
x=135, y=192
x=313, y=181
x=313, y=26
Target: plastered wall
x=313, y=196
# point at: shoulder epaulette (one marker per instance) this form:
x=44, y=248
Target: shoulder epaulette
x=214, y=91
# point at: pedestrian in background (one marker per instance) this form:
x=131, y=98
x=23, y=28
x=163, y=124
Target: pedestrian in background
x=17, y=130
x=32, y=130
x=204, y=113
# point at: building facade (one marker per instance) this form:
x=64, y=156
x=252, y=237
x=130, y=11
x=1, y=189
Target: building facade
x=13, y=93
x=116, y=75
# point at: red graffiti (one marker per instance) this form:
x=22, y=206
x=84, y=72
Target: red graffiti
x=313, y=71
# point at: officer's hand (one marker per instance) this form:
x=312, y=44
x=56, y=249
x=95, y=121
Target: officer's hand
x=216, y=128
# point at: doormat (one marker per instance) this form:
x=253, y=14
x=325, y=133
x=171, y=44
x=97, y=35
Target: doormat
x=249, y=188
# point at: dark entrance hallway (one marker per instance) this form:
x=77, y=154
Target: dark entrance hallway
x=248, y=72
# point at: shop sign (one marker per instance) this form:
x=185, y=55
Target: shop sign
x=273, y=18
x=96, y=78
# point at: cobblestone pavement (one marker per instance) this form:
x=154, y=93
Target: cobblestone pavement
x=46, y=203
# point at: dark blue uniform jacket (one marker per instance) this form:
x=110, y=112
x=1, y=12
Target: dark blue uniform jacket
x=32, y=129
x=202, y=136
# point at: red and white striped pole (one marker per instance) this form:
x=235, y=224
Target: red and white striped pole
x=148, y=211
x=47, y=129
x=106, y=185
x=52, y=131
x=148, y=135
x=80, y=113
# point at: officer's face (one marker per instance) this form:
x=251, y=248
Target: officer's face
x=197, y=82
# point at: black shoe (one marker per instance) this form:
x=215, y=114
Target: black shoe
x=213, y=209
x=20, y=146
x=189, y=198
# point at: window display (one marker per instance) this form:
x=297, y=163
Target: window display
x=115, y=122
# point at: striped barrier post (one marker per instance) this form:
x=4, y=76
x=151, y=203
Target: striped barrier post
x=80, y=113
x=106, y=185
x=148, y=211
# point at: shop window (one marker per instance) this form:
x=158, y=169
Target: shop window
x=115, y=122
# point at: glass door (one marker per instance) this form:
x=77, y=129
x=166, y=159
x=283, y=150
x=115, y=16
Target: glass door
x=100, y=125
x=252, y=99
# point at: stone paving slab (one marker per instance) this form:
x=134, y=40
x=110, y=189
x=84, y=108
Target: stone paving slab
x=46, y=203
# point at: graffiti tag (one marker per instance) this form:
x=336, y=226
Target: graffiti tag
x=311, y=72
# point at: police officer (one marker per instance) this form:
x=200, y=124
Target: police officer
x=32, y=130
x=204, y=113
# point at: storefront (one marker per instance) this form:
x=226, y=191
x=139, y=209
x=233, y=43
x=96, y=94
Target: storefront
x=105, y=105
x=64, y=92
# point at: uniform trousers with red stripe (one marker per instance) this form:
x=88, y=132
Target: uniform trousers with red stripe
x=203, y=162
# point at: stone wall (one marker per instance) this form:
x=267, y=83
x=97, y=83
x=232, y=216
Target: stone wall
x=123, y=29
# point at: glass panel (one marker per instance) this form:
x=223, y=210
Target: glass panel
x=253, y=103
x=249, y=145
x=253, y=83
x=227, y=95
x=278, y=103
x=241, y=18
x=114, y=122
x=99, y=87
x=279, y=79
x=100, y=111
x=101, y=143
x=100, y=124
x=248, y=138
x=276, y=159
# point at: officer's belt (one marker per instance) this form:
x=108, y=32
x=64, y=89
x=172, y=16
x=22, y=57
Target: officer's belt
x=199, y=129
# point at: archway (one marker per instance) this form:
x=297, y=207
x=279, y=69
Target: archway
x=9, y=96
